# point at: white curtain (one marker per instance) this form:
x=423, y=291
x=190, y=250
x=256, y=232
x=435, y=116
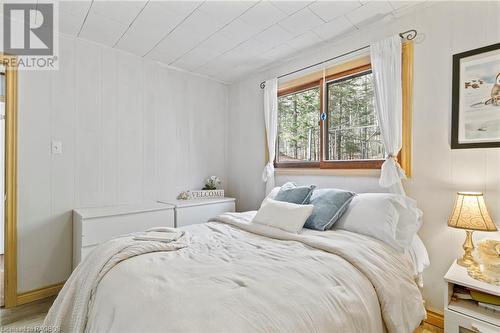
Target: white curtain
x=271, y=119
x=386, y=67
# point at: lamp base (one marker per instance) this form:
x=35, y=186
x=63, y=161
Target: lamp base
x=467, y=259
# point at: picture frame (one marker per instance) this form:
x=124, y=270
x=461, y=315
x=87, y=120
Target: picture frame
x=476, y=98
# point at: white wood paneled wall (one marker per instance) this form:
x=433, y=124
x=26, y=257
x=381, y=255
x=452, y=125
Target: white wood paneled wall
x=132, y=131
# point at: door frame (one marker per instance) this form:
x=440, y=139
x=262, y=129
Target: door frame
x=10, y=213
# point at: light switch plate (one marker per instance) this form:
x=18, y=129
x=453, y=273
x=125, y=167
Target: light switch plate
x=56, y=147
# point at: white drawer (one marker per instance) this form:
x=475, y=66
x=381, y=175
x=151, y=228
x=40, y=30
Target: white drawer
x=201, y=214
x=100, y=229
x=454, y=321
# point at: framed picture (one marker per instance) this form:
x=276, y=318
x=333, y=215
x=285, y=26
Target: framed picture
x=476, y=98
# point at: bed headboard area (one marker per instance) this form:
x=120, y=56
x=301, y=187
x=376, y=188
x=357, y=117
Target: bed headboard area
x=358, y=184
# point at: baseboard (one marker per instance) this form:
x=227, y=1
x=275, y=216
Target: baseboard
x=37, y=294
x=435, y=319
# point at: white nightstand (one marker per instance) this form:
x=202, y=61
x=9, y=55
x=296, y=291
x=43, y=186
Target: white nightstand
x=466, y=316
x=93, y=226
x=199, y=210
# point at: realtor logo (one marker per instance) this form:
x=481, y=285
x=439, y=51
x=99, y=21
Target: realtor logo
x=28, y=33
x=28, y=28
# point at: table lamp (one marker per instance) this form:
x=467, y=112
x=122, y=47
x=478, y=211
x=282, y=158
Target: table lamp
x=470, y=213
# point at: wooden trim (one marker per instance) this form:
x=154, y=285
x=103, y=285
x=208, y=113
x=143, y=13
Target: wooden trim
x=435, y=319
x=407, y=96
x=295, y=89
x=37, y=294
x=352, y=164
x=10, y=287
x=349, y=72
x=296, y=165
x=328, y=172
x=315, y=76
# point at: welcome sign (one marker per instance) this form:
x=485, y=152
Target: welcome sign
x=206, y=194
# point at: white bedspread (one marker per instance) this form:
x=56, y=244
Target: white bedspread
x=236, y=276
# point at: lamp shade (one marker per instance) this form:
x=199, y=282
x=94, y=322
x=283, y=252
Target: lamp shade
x=470, y=213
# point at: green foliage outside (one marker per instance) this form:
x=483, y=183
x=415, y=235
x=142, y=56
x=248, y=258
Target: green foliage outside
x=298, y=116
x=353, y=131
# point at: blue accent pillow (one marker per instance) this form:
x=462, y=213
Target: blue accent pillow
x=329, y=205
x=292, y=193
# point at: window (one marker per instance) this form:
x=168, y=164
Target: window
x=352, y=131
x=328, y=120
x=298, y=130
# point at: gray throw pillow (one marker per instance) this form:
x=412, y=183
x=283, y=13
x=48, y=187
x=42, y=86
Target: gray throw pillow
x=292, y=193
x=329, y=205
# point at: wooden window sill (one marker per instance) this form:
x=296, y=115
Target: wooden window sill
x=327, y=172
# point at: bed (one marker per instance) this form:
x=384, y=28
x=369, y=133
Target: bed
x=232, y=275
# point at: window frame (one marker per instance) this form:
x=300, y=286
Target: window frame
x=345, y=70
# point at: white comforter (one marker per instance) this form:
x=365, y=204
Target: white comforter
x=235, y=276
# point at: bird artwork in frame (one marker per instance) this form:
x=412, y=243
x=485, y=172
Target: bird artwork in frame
x=476, y=98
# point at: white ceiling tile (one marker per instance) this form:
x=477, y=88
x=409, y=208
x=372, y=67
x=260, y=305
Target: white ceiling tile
x=403, y=7
x=284, y=52
x=120, y=11
x=401, y=4
x=290, y=7
x=71, y=16
x=200, y=25
x=230, y=36
x=148, y=29
x=69, y=25
x=369, y=13
x=156, y=16
x=334, y=28
x=263, y=15
x=102, y=30
x=253, y=47
x=226, y=11
x=305, y=40
x=77, y=8
x=172, y=47
x=240, y=30
x=182, y=8
x=194, y=30
x=301, y=22
x=196, y=58
x=329, y=10
x=220, y=42
x=234, y=58
x=274, y=36
x=214, y=68
x=138, y=42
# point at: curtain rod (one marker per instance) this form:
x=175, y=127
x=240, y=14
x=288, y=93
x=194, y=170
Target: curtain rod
x=406, y=35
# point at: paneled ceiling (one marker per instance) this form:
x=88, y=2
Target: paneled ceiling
x=224, y=40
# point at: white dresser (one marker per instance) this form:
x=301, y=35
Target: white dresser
x=199, y=210
x=92, y=226
x=464, y=316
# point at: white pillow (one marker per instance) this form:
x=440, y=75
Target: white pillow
x=393, y=219
x=283, y=215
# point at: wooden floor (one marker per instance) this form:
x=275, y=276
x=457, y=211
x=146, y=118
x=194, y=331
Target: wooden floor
x=31, y=315
x=24, y=316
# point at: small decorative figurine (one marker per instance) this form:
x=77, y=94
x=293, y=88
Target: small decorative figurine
x=183, y=195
